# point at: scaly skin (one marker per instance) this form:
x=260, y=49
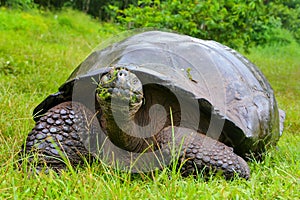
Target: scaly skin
x=57, y=134
x=198, y=152
x=63, y=124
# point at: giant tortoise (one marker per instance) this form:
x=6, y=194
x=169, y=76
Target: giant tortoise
x=160, y=98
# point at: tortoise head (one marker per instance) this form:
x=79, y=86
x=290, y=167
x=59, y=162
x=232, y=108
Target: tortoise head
x=121, y=89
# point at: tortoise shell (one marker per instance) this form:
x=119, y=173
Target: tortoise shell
x=221, y=93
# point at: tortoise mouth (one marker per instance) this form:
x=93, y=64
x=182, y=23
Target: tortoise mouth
x=107, y=94
x=121, y=85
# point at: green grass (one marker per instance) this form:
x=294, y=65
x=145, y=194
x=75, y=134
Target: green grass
x=38, y=52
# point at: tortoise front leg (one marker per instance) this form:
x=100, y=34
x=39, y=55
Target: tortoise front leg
x=55, y=139
x=198, y=152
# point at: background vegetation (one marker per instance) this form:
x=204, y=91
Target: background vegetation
x=41, y=47
x=236, y=23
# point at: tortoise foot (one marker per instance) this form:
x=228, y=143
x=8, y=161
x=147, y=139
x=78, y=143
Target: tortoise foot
x=200, y=153
x=56, y=138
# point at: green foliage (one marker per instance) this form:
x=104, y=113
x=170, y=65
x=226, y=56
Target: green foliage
x=236, y=23
x=97, y=8
x=287, y=12
x=239, y=24
x=18, y=4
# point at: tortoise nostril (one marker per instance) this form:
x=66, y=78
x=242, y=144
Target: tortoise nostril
x=122, y=73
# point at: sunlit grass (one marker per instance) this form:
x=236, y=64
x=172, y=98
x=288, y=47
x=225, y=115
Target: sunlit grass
x=38, y=52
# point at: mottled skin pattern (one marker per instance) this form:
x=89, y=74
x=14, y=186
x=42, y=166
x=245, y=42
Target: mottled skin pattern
x=62, y=128
x=57, y=135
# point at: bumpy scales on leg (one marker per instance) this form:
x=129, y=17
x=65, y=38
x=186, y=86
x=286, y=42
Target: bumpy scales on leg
x=56, y=138
x=199, y=153
x=58, y=135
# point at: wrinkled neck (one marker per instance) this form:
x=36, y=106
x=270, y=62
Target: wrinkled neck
x=119, y=125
